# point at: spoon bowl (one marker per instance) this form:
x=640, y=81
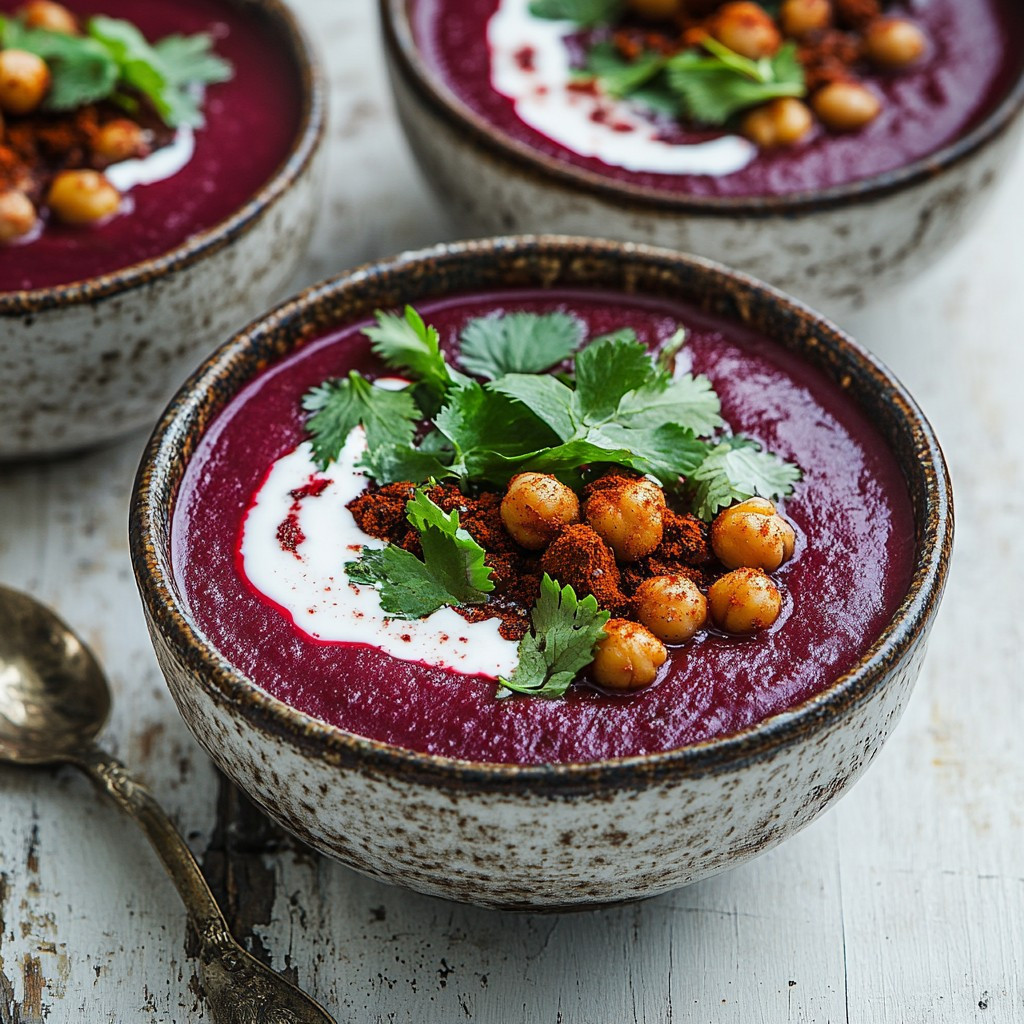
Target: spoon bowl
x=54, y=697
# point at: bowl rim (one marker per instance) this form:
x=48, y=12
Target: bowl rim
x=431, y=90
x=309, y=133
x=194, y=410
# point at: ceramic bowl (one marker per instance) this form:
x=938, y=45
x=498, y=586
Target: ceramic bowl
x=835, y=248
x=86, y=362
x=551, y=835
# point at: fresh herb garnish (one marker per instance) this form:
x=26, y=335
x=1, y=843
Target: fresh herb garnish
x=406, y=343
x=738, y=469
x=621, y=407
x=582, y=12
x=715, y=86
x=491, y=346
x=565, y=632
x=708, y=85
x=338, y=406
x=452, y=571
x=623, y=410
x=113, y=60
x=489, y=433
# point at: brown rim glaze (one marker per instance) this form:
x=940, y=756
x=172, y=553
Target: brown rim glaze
x=309, y=132
x=400, y=42
x=546, y=261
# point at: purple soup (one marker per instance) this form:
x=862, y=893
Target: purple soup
x=853, y=565
x=975, y=55
x=251, y=123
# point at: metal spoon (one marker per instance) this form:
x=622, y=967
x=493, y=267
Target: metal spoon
x=54, y=699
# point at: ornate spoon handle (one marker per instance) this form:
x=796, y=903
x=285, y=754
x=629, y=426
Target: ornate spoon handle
x=239, y=989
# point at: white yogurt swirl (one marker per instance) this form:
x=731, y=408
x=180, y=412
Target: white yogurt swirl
x=310, y=583
x=530, y=65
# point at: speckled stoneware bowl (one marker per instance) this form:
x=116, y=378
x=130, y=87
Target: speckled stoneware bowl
x=836, y=248
x=86, y=362
x=552, y=835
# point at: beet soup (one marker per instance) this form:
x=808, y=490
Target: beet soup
x=250, y=126
x=852, y=567
x=520, y=74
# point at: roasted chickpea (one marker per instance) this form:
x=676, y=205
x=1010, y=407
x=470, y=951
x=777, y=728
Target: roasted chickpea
x=671, y=607
x=802, y=17
x=752, y=534
x=628, y=517
x=536, y=507
x=82, y=197
x=744, y=601
x=50, y=16
x=118, y=140
x=629, y=656
x=782, y=122
x=894, y=43
x=17, y=215
x=656, y=10
x=746, y=28
x=846, y=106
x=24, y=79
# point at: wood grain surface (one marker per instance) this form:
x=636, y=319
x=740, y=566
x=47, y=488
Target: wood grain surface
x=903, y=904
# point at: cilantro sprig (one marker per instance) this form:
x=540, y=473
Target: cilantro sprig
x=561, y=642
x=708, y=85
x=737, y=469
x=113, y=60
x=619, y=406
x=336, y=407
x=451, y=572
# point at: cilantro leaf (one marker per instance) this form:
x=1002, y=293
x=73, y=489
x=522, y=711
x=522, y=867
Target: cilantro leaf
x=452, y=571
x=408, y=590
x=624, y=410
x=406, y=343
x=605, y=371
x=82, y=70
x=548, y=398
x=687, y=399
x=489, y=432
x=491, y=346
x=391, y=463
x=156, y=73
x=338, y=406
x=712, y=87
x=641, y=80
x=583, y=12
x=736, y=469
x=190, y=59
x=667, y=451
x=565, y=632
x=619, y=334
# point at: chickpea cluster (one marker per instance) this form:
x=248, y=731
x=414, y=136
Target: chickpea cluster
x=750, y=540
x=839, y=100
x=74, y=196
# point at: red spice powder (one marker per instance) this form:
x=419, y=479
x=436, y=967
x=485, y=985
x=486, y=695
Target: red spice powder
x=381, y=512
x=856, y=13
x=828, y=56
x=39, y=145
x=313, y=489
x=579, y=558
x=290, y=535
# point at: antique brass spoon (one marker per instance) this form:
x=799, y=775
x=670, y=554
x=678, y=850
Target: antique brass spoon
x=54, y=699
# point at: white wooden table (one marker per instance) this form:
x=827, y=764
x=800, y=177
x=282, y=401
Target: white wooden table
x=903, y=904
